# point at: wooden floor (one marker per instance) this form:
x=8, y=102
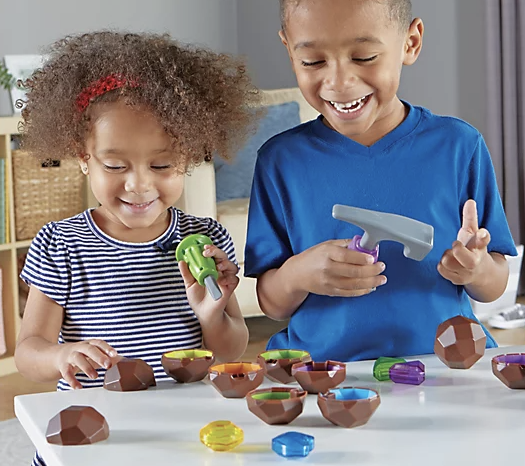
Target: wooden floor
x=261, y=328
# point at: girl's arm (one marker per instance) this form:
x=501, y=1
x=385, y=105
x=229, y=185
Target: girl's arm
x=225, y=333
x=223, y=328
x=39, y=357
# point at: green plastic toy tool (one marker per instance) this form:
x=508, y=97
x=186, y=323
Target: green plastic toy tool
x=202, y=268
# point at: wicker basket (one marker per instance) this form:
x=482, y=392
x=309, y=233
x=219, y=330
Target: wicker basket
x=44, y=193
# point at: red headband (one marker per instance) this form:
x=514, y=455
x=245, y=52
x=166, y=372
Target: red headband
x=100, y=87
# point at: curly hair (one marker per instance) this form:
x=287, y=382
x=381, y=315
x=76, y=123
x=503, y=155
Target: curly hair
x=204, y=100
x=400, y=11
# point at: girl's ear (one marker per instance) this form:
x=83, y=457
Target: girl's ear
x=82, y=161
x=413, y=42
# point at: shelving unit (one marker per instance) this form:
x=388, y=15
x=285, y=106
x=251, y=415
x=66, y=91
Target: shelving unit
x=10, y=251
x=9, y=256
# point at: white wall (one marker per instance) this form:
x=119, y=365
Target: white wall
x=26, y=26
x=448, y=78
x=258, y=27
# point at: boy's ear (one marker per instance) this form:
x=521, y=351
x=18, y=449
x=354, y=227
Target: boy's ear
x=282, y=36
x=413, y=41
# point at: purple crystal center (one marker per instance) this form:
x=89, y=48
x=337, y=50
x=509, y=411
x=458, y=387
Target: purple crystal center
x=319, y=367
x=512, y=358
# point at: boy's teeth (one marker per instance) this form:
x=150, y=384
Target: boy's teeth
x=349, y=107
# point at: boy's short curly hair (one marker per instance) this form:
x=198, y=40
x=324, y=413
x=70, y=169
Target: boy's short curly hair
x=400, y=11
x=203, y=99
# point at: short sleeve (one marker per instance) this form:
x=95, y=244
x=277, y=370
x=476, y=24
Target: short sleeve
x=267, y=241
x=222, y=239
x=481, y=185
x=47, y=265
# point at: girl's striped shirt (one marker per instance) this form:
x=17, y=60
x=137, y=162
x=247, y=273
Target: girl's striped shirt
x=130, y=295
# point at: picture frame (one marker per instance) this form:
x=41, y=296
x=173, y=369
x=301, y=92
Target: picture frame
x=21, y=67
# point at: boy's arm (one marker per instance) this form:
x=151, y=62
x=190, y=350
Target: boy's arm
x=328, y=269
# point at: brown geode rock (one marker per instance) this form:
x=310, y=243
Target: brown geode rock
x=277, y=364
x=317, y=377
x=129, y=375
x=350, y=410
x=77, y=425
x=236, y=379
x=510, y=369
x=187, y=366
x=460, y=342
x=276, y=405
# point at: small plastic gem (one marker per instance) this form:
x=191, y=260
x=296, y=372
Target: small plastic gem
x=382, y=367
x=293, y=444
x=412, y=372
x=221, y=435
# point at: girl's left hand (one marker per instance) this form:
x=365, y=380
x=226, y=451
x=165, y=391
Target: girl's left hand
x=200, y=301
x=463, y=263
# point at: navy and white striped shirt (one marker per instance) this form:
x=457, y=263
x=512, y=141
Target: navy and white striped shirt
x=130, y=295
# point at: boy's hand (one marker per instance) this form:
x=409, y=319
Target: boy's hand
x=84, y=356
x=331, y=269
x=465, y=261
x=200, y=301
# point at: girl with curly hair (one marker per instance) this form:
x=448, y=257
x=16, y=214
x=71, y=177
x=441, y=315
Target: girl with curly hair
x=138, y=111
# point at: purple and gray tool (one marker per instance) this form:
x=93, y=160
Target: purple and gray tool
x=417, y=237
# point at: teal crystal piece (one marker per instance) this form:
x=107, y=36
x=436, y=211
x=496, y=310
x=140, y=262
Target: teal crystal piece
x=382, y=367
x=293, y=445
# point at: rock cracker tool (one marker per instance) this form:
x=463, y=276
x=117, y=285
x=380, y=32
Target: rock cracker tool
x=202, y=268
x=416, y=236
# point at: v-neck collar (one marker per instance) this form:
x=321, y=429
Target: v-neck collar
x=336, y=139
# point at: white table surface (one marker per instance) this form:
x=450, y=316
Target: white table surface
x=456, y=417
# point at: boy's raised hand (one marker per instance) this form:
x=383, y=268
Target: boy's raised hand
x=200, y=300
x=464, y=261
x=331, y=269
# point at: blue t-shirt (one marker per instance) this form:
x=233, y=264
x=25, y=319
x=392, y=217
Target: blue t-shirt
x=425, y=169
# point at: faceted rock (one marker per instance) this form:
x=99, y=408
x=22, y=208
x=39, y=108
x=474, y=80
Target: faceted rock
x=382, y=367
x=293, y=444
x=236, y=379
x=277, y=364
x=187, y=366
x=348, y=406
x=460, y=342
x=276, y=405
x=510, y=369
x=221, y=435
x=412, y=372
x=77, y=425
x=317, y=377
x=129, y=375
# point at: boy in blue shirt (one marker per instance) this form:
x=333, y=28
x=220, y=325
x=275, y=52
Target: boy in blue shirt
x=371, y=150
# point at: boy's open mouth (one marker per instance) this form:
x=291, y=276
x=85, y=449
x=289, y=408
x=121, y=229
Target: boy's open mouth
x=351, y=107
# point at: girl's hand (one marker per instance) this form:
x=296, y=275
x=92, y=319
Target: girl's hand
x=464, y=262
x=200, y=301
x=85, y=356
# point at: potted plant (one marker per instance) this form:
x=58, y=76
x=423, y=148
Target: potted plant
x=7, y=81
